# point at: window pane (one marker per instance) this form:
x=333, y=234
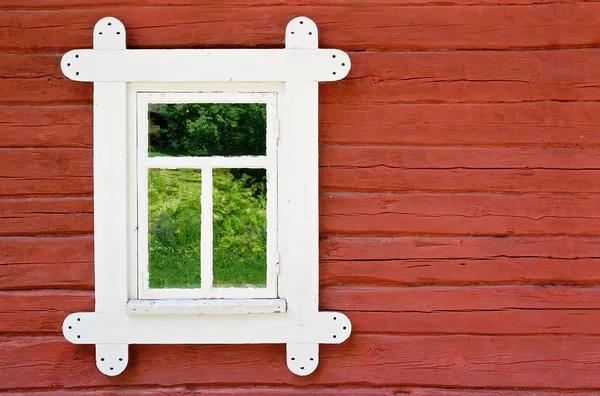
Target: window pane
x=207, y=129
x=239, y=228
x=174, y=228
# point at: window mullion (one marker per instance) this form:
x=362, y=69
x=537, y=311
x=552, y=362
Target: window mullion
x=206, y=234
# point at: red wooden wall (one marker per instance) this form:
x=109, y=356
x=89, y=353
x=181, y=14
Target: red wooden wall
x=460, y=179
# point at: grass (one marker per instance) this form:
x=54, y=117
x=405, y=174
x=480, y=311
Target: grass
x=239, y=228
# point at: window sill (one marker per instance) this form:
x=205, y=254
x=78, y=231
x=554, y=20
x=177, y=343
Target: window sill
x=206, y=306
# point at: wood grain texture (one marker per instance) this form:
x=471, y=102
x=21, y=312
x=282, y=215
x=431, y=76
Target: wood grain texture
x=237, y=391
x=62, y=216
x=402, y=248
x=560, y=362
x=468, y=77
x=74, y=4
x=431, y=158
x=389, y=28
x=381, y=178
x=286, y=391
x=542, y=124
x=40, y=312
x=47, y=126
x=46, y=263
x=466, y=214
x=501, y=269
x=377, y=78
x=48, y=172
x=499, y=322
x=451, y=298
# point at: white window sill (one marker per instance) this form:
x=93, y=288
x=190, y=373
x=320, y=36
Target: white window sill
x=206, y=306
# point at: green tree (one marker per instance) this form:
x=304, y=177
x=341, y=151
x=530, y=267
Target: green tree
x=207, y=129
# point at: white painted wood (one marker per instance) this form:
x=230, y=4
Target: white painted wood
x=298, y=199
x=206, y=65
x=112, y=359
x=142, y=198
x=248, y=291
x=110, y=179
x=277, y=328
x=206, y=307
x=301, y=33
x=110, y=197
x=206, y=227
x=207, y=162
x=272, y=174
x=299, y=186
x=109, y=34
x=302, y=359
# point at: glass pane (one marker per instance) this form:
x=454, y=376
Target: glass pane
x=174, y=228
x=207, y=129
x=239, y=227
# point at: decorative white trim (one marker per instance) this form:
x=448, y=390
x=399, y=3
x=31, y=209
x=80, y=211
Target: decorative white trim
x=206, y=65
x=287, y=80
x=278, y=328
x=206, y=307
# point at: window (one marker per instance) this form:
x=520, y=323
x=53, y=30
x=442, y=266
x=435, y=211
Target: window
x=206, y=196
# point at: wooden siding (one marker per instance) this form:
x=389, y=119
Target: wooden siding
x=460, y=202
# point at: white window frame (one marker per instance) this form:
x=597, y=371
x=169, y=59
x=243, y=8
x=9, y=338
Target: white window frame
x=206, y=290
x=289, y=313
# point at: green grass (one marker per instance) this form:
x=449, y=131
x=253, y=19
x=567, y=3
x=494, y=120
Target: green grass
x=239, y=229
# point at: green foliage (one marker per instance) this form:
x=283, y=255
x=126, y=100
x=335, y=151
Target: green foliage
x=239, y=229
x=174, y=227
x=207, y=129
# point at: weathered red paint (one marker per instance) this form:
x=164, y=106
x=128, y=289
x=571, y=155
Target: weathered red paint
x=460, y=203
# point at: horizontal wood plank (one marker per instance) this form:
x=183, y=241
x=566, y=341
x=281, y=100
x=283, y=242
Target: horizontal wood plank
x=61, y=216
x=502, y=322
x=74, y=4
x=40, y=312
x=334, y=248
x=485, y=392
x=376, y=78
x=237, y=391
x=46, y=126
x=48, y=172
x=389, y=28
x=385, y=179
x=466, y=214
x=468, y=77
x=431, y=158
x=46, y=263
x=545, y=124
x=560, y=362
x=502, y=269
x=450, y=298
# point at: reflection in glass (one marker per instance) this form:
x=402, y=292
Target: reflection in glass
x=207, y=129
x=239, y=228
x=174, y=228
